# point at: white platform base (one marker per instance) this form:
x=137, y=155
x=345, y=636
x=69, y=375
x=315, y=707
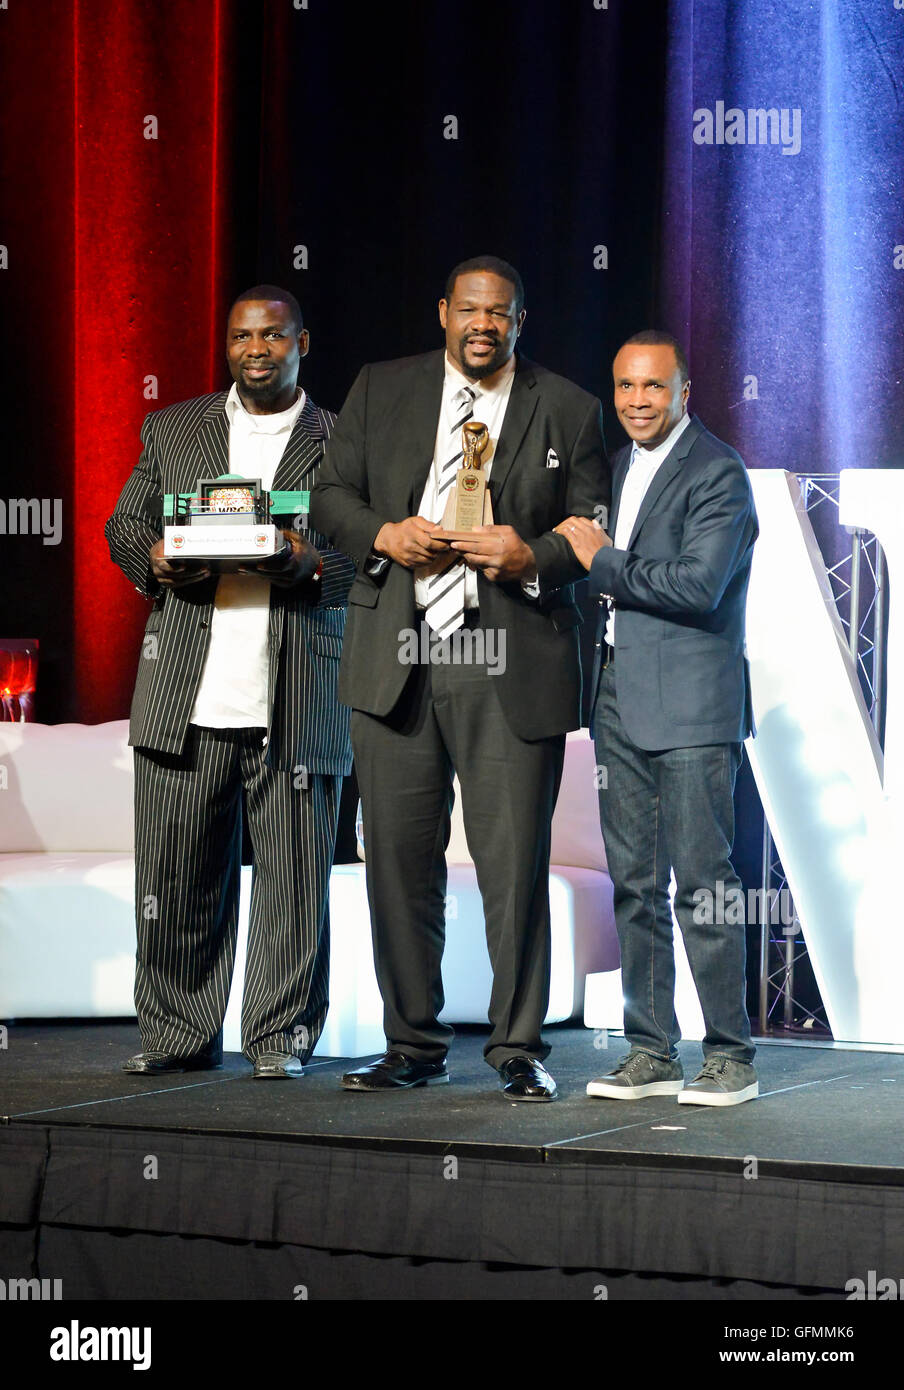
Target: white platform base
x=582, y=935
x=354, y=1023
x=604, y=1004
x=67, y=944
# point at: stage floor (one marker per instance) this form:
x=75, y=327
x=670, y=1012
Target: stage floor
x=821, y=1112
x=792, y=1194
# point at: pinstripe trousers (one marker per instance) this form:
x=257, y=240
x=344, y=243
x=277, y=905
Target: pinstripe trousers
x=188, y=845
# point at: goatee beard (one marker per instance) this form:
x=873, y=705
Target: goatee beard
x=266, y=390
x=477, y=371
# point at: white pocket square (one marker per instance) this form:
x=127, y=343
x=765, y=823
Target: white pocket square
x=552, y=459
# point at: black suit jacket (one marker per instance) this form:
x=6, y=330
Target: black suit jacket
x=680, y=590
x=307, y=726
x=375, y=471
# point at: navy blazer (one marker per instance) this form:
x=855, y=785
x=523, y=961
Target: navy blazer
x=680, y=590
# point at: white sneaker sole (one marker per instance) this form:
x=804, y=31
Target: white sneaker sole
x=652, y=1088
x=689, y=1097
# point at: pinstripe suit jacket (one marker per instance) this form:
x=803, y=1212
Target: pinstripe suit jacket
x=307, y=727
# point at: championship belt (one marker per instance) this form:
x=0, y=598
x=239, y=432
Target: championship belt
x=228, y=521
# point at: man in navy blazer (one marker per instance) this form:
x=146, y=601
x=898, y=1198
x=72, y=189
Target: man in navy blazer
x=671, y=709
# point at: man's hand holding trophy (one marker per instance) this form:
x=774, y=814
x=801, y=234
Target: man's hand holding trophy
x=467, y=533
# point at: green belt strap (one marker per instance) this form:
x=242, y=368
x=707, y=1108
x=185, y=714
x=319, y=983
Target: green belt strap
x=169, y=501
x=290, y=503
x=284, y=503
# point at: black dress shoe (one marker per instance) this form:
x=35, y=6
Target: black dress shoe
x=276, y=1066
x=524, y=1078
x=154, y=1063
x=393, y=1071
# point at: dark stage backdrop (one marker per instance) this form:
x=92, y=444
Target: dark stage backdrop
x=733, y=172
x=160, y=157
x=783, y=213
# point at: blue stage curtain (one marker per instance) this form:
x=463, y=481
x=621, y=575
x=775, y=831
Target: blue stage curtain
x=784, y=261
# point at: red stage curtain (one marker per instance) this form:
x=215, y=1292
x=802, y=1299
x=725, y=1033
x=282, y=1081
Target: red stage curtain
x=121, y=124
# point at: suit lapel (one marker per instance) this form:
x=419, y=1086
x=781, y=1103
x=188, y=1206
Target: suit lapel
x=213, y=437
x=418, y=430
x=619, y=473
x=303, y=451
x=667, y=470
x=421, y=424
x=518, y=414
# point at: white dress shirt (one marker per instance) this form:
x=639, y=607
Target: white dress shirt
x=489, y=408
x=233, y=690
x=642, y=469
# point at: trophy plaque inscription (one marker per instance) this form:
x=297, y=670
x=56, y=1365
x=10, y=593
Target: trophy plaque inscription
x=469, y=503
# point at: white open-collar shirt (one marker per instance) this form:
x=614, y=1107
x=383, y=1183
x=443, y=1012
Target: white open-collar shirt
x=233, y=690
x=642, y=469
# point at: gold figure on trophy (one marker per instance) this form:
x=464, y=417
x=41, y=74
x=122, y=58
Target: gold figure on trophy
x=469, y=502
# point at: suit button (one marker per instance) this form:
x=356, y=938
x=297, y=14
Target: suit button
x=204, y=623
x=598, y=646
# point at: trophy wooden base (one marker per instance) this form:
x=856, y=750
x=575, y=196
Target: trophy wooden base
x=453, y=520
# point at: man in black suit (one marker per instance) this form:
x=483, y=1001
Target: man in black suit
x=390, y=467
x=672, y=707
x=236, y=690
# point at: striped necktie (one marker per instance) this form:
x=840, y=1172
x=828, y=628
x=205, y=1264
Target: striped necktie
x=446, y=591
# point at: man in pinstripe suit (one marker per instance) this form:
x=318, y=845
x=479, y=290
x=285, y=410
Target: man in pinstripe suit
x=236, y=690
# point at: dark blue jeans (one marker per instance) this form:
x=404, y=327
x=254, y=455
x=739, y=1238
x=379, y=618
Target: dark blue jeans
x=670, y=810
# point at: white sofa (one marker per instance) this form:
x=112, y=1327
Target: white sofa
x=580, y=891
x=67, y=936
x=582, y=923
x=67, y=930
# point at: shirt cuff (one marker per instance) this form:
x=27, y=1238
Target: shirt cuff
x=375, y=566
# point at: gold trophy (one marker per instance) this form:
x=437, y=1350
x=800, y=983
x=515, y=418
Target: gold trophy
x=469, y=502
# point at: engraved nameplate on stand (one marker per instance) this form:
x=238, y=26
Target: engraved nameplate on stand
x=469, y=502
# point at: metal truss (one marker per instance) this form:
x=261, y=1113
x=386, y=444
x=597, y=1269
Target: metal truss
x=856, y=571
